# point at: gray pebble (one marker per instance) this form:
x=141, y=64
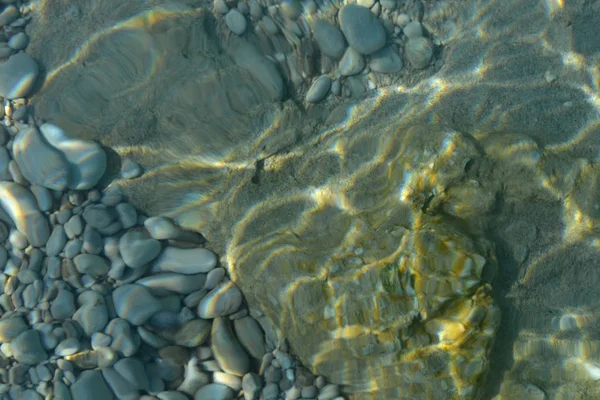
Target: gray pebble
x=127, y=215
x=386, y=60
x=214, y=391
x=92, y=242
x=388, y=4
x=56, y=241
x=236, y=22
x=419, y=52
x=67, y=347
x=329, y=38
x=230, y=355
x=92, y=315
x=132, y=369
x=363, y=31
x=91, y=386
x=98, y=216
x=135, y=303
x=130, y=169
x=319, y=89
x=17, y=75
x=43, y=196
x=11, y=327
x=124, y=340
x=223, y=300
x=137, y=248
x=63, y=306
x=73, y=248
x=9, y=15
x=251, y=336
x=413, y=30
x=91, y=264
x=27, y=348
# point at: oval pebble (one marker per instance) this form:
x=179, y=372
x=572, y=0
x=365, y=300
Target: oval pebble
x=419, y=52
x=134, y=303
x=91, y=264
x=386, y=60
x=225, y=299
x=214, y=391
x=39, y=162
x=177, y=283
x=329, y=39
x=228, y=351
x=17, y=76
x=185, y=261
x=236, y=22
x=352, y=62
x=21, y=206
x=27, y=348
x=56, y=242
x=86, y=159
x=137, y=248
x=363, y=30
x=319, y=89
x=413, y=30
x=18, y=41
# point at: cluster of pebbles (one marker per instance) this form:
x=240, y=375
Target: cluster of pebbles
x=99, y=301
x=338, y=48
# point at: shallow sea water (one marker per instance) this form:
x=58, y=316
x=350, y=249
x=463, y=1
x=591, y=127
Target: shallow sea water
x=494, y=147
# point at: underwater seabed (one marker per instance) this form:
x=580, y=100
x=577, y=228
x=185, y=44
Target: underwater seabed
x=435, y=239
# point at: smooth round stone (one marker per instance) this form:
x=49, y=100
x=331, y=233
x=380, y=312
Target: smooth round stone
x=127, y=215
x=73, y=248
x=67, y=347
x=74, y=226
x=251, y=336
x=119, y=385
x=63, y=306
x=172, y=395
x=93, y=314
x=91, y=264
x=352, y=63
x=388, y=4
x=134, y=303
x=92, y=242
x=215, y=391
x=366, y=3
x=236, y=22
x=185, y=261
x=98, y=216
x=177, y=283
x=291, y=9
x=255, y=10
x=11, y=327
x=9, y=14
x=214, y=277
x=87, y=159
x=137, y=248
x=162, y=228
x=386, y=61
x=268, y=25
x=21, y=206
x=100, y=339
x=17, y=240
x=132, y=369
x=130, y=169
x=319, y=89
x=363, y=31
x=56, y=241
x=419, y=52
x=43, y=197
x=225, y=299
x=17, y=76
x=91, y=385
x=125, y=342
x=228, y=351
x=413, y=30
x=39, y=162
x=193, y=333
x=27, y=348
x=329, y=39
x=18, y=41
x=220, y=6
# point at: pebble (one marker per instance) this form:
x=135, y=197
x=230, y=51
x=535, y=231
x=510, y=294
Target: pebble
x=39, y=162
x=119, y=386
x=87, y=159
x=220, y=6
x=388, y=4
x=21, y=206
x=363, y=31
x=236, y=22
x=91, y=264
x=127, y=215
x=214, y=391
x=352, y=62
x=251, y=385
x=124, y=341
x=130, y=169
x=185, y=261
x=319, y=89
x=251, y=336
x=177, y=283
x=386, y=60
x=17, y=76
x=134, y=303
x=67, y=347
x=27, y=347
x=11, y=327
x=132, y=370
x=413, y=30
x=223, y=300
x=92, y=314
x=290, y=9
x=137, y=248
x=419, y=52
x=98, y=216
x=56, y=241
x=43, y=196
x=329, y=39
x=9, y=14
x=91, y=386
x=268, y=25
x=18, y=41
x=63, y=306
x=228, y=351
